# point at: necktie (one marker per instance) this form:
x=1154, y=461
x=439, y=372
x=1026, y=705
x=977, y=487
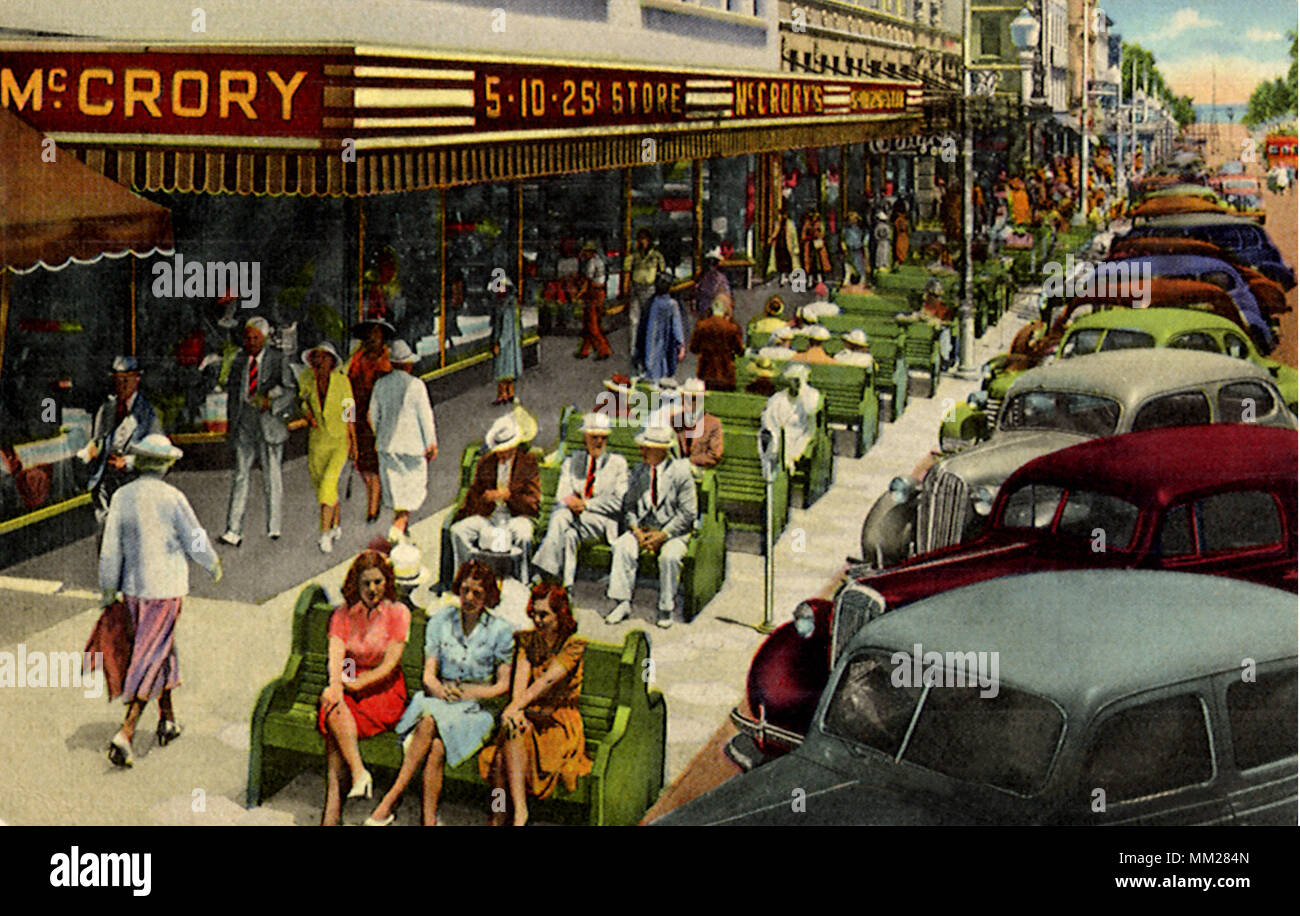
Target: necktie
x=121, y=411
x=252, y=377
x=654, y=485
x=591, y=478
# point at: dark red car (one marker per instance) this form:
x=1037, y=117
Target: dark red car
x=1219, y=500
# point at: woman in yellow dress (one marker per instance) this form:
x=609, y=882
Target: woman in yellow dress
x=325, y=393
x=540, y=741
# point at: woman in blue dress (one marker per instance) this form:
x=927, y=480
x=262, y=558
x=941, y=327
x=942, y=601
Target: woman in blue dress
x=467, y=655
x=507, y=356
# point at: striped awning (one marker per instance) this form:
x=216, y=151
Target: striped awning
x=349, y=120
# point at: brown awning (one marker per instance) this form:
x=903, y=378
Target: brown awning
x=53, y=213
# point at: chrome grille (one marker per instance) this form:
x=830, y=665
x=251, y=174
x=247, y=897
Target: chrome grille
x=991, y=408
x=941, y=511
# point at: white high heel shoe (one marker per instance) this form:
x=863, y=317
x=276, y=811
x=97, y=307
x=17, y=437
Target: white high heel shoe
x=363, y=787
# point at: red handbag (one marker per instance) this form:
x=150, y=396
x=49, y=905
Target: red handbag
x=110, y=643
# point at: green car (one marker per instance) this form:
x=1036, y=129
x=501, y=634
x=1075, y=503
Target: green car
x=1117, y=329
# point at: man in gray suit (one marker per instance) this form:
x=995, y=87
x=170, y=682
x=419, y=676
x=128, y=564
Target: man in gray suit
x=261, y=399
x=588, y=501
x=659, y=513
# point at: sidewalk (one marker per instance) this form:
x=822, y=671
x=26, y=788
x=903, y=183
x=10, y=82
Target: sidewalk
x=55, y=737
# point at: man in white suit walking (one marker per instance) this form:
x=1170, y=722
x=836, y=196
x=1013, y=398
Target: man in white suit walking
x=262, y=395
x=406, y=438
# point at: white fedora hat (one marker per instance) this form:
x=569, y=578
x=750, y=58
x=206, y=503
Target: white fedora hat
x=596, y=424
x=657, y=437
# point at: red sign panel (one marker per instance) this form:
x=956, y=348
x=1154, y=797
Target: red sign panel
x=337, y=95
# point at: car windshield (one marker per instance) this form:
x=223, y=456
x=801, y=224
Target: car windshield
x=969, y=726
x=1066, y=411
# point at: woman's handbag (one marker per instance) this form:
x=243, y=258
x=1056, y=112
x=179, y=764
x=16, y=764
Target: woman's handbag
x=110, y=646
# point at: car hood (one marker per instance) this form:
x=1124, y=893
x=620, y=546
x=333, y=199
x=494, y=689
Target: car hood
x=992, y=462
x=796, y=790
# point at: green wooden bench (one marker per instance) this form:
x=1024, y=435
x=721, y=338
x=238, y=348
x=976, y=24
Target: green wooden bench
x=741, y=414
x=705, y=565
x=703, y=568
x=920, y=341
x=815, y=470
x=624, y=722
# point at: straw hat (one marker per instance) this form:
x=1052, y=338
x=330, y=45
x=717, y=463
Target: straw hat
x=796, y=370
x=596, y=424
x=400, y=352
x=764, y=368
x=657, y=437
x=818, y=332
x=155, y=451
x=125, y=364
x=408, y=571
x=619, y=384
x=362, y=328
x=856, y=338
x=325, y=347
x=510, y=431
x=774, y=307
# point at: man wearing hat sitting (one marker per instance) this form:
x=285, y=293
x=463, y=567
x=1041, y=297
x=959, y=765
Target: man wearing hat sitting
x=659, y=514
x=122, y=421
x=699, y=434
x=589, y=501
x=261, y=395
x=791, y=415
x=855, y=350
x=781, y=345
x=717, y=341
x=502, y=502
x=406, y=439
x=773, y=316
x=816, y=353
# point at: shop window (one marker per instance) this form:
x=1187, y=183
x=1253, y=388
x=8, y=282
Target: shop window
x=662, y=202
x=991, y=36
x=401, y=268
x=481, y=246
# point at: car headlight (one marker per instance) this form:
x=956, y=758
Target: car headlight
x=981, y=500
x=901, y=489
x=805, y=620
x=978, y=399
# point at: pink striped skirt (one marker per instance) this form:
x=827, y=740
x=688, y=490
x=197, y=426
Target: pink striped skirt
x=155, y=666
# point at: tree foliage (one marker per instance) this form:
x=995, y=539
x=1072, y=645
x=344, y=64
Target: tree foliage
x=1274, y=98
x=1138, y=70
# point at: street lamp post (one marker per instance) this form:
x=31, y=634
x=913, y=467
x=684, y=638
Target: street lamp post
x=967, y=369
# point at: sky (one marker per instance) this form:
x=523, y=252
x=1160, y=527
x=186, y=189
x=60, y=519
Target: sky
x=1240, y=42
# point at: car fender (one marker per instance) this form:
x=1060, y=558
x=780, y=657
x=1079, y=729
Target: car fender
x=889, y=531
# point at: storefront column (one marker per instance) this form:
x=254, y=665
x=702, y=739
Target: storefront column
x=518, y=190
x=130, y=343
x=697, y=202
x=5, y=290
x=442, y=278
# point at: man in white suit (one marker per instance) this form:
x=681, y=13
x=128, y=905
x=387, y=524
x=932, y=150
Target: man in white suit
x=406, y=438
x=262, y=395
x=659, y=513
x=588, y=501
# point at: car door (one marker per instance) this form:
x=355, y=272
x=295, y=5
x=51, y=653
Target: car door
x=1151, y=759
x=1258, y=706
x=1238, y=533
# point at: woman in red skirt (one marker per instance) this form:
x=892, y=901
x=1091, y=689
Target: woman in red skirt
x=366, y=692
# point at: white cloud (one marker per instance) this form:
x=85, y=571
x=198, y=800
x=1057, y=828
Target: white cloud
x=1258, y=34
x=1185, y=19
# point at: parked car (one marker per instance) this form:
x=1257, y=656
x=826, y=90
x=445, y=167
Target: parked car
x=1242, y=237
x=1039, y=341
x=1213, y=499
x=1268, y=293
x=1176, y=328
x=1052, y=407
x=1202, y=270
x=1105, y=698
